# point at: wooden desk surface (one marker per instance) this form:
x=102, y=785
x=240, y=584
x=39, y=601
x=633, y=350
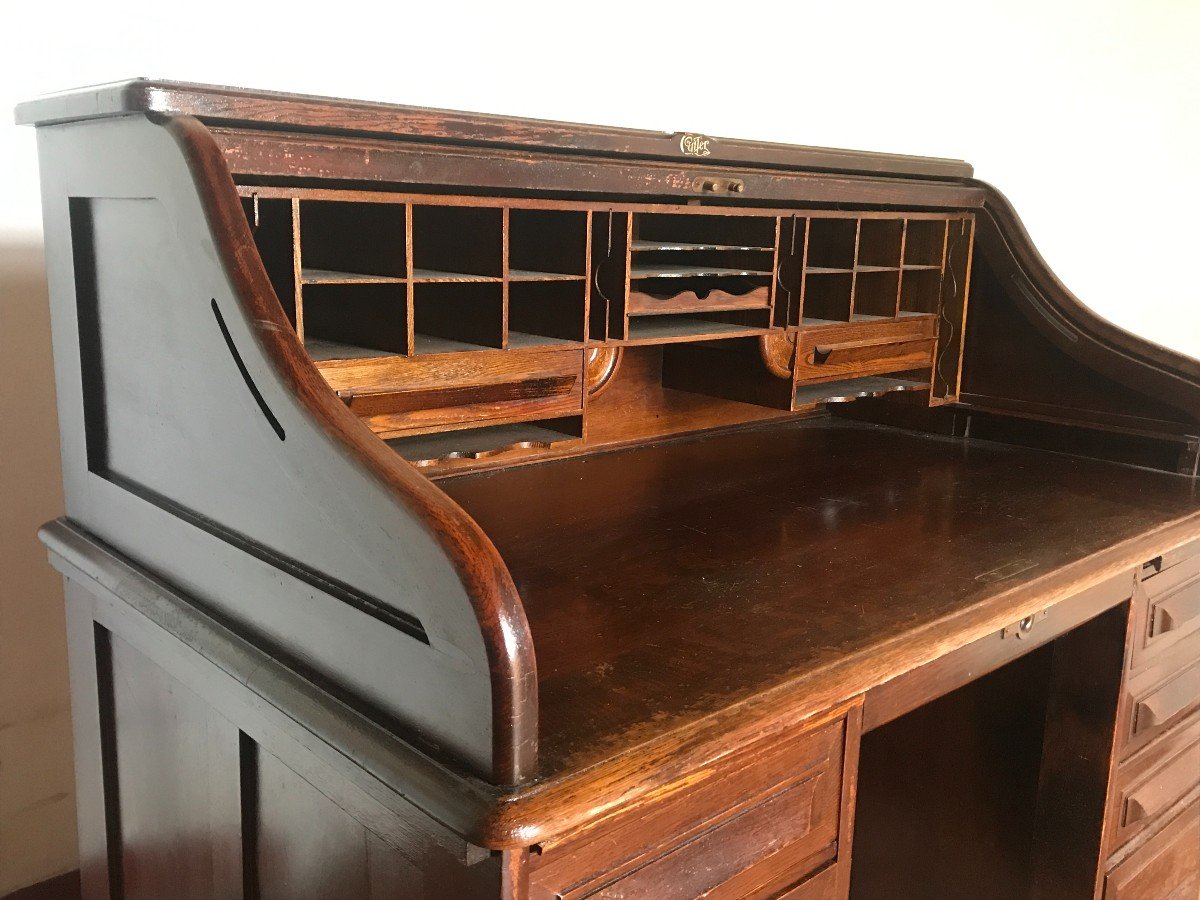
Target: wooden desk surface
x=665, y=583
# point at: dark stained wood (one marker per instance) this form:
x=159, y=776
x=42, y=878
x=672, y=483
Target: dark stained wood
x=61, y=887
x=261, y=154
x=946, y=794
x=918, y=686
x=1165, y=866
x=176, y=765
x=455, y=508
x=1157, y=374
x=224, y=104
x=1148, y=786
x=808, y=767
x=588, y=560
x=1077, y=752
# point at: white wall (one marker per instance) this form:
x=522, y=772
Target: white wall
x=1087, y=114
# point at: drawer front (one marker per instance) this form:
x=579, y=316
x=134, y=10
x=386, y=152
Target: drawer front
x=1166, y=867
x=1168, y=610
x=756, y=854
x=1150, y=709
x=1154, y=781
x=396, y=396
x=775, y=807
x=836, y=352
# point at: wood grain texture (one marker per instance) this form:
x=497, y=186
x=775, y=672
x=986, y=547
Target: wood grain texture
x=265, y=154
x=728, y=625
x=1165, y=868
x=225, y=104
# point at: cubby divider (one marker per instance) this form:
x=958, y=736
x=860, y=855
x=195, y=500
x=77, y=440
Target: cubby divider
x=377, y=283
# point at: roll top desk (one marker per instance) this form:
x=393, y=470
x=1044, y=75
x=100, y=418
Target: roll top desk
x=463, y=506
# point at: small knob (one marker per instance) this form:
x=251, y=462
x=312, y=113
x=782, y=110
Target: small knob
x=736, y=187
x=708, y=185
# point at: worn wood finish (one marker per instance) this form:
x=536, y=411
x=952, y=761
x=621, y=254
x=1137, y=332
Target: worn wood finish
x=1165, y=867
x=456, y=509
x=630, y=510
x=225, y=104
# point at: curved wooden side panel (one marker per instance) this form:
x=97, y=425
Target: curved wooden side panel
x=1149, y=382
x=289, y=518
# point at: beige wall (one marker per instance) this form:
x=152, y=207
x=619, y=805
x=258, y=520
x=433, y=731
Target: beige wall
x=37, y=791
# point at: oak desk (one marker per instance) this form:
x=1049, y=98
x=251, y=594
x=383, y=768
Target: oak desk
x=462, y=506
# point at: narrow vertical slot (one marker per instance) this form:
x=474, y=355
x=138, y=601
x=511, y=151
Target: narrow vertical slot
x=106, y=706
x=91, y=356
x=789, y=271
x=854, y=274
x=248, y=780
x=774, y=283
x=297, y=268
x=609, y=263
x=952, y=310
x=410, y=335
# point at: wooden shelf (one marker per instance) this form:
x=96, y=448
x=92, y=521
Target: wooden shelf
x=433, y=276
x=528, y=275
x=691, y=272
x=826, y=270
x=328, y=276
x=323, y=351
x=522, y=340
x=666, y=328
x=876, y=268
x=915, y=267
x=854, y=388
x=430, y=345
x=684, y=246
x=477, y=443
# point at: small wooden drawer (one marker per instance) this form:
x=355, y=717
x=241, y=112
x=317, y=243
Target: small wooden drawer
x=758, y=822
x=1166, y=867
x=1161, y=696
x=876, y=348
x=1167, y=610
x=399, y=396
x=1153, y=781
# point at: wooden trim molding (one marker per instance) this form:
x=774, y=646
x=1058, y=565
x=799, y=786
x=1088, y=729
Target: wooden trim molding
x=269, y=109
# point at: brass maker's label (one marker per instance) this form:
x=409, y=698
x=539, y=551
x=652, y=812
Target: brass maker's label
x=695, y=145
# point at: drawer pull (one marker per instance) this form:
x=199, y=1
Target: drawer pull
x=822, y=352
x=1177, y=610
x=1165, y=786
x=1167, y=702
x=1135, y=811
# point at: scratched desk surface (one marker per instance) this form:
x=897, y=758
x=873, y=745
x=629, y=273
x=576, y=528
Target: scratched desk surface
x=665, y=583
